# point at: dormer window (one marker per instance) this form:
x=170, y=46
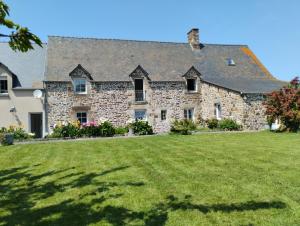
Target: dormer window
x=3, y=85
x=191, y=85
x=80, y=86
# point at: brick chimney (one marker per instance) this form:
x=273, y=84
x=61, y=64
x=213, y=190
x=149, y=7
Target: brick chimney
x=193, y=38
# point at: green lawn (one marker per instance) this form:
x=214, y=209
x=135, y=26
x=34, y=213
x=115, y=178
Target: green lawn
x=212, y=179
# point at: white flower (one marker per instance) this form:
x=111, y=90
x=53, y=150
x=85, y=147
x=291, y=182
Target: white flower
x=129, y=121
x=171, y=120
x=102, y=120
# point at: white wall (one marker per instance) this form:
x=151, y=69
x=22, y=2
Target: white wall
x=22, y=101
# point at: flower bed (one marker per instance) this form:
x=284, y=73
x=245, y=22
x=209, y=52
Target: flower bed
x=103, y=128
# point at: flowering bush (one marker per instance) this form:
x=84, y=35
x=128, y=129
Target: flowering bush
x=284, y=105
x=89, y=129
x=18, y=132
x=66, y=129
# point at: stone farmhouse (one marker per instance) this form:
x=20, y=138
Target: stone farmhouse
x=121, y=80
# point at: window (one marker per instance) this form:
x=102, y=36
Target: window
x=81, y=117
x=191, y=84
x=3, y=85
x=230, y=62
x=163, y=115
x=80, y=86
x=218, y=112
x=140, y=115
x=189, y=114
x=139, y=90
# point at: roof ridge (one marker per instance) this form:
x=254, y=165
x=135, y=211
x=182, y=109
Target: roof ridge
x=115, y=39
x=134, y=40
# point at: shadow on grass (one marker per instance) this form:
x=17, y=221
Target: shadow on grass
x=21, y=190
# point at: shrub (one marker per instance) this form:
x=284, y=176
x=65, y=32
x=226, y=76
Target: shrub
x=183, y=127
x=2, y=139
x=57, y=132
x=284, y=105
x=121, y=130
x=229, y=124
x=18, y=132
x=91, y=129
x=107, y=129
x=6, y=139
x=3, y=130
x=71, y=130
x=141, y=128
x=212, y=123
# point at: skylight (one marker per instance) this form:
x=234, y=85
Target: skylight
x=230, y=62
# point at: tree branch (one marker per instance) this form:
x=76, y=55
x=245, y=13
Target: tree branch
x=3, y=35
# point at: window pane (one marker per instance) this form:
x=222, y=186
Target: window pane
x=218, y=112
x=82, y=117
x=189, y=114
x=191, y=111
x=163, y=115
x=3, y=86
x=191, y=84
x=140, y=114
x=80, y=86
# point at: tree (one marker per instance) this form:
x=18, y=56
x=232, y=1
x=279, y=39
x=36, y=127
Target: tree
x=20, y=38
x=284, y=105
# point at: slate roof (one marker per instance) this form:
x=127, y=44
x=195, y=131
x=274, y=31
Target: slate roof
x=114, y=60
x=28, y=68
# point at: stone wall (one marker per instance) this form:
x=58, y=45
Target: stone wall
x=108, y=100
x=115, y=102
x=254, y=117
x=247, y=110
x=173, y=97
x=232, y=104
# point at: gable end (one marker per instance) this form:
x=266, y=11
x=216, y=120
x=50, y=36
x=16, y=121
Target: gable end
x=139, y=72
x=192, y=73
x=80, y=71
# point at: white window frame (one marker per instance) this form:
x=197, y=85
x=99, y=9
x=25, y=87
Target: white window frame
x=75, y=83
x=4, y=78
x=80, y=117
x=218, y=111
x=196, y=86
x=140, y=110
x=187, y=113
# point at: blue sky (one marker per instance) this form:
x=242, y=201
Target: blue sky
x=270, y=27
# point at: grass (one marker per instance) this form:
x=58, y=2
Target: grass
x=209, y=179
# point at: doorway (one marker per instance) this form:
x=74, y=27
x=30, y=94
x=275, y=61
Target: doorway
x=36, y=124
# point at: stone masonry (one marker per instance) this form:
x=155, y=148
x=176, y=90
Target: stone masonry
x=114, y=101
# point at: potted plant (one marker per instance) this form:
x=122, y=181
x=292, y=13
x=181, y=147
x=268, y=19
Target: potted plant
x=6, y=138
